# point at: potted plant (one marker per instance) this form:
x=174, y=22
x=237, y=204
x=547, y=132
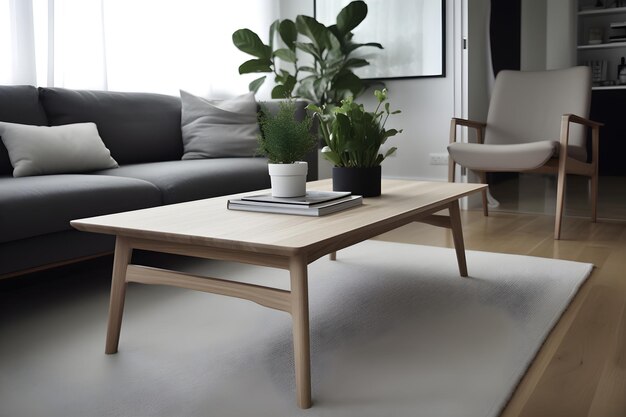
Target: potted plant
x=285, y=142
x=353, y=139
x=316, y=65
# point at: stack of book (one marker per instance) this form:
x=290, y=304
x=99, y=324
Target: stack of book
x=617, y=32
x=314, y=203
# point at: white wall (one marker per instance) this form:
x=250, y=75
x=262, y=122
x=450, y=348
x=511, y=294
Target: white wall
x=533, y=36
x=289, y=9
x=548, y=34
x=427, y=105
x=561, y=34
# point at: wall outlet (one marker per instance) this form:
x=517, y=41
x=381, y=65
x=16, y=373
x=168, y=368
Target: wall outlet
x=438, y=158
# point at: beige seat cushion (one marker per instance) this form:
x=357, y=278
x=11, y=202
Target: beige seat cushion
x=509, y=158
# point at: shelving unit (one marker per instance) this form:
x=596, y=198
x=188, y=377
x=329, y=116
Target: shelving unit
x=600, y=20
x=607, y=101
x=608, y=10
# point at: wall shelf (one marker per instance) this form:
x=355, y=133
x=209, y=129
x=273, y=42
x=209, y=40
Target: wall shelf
x=609, y=87
x=610, y=10
x=603, y=46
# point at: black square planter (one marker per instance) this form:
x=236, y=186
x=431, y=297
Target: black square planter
x=359, y=181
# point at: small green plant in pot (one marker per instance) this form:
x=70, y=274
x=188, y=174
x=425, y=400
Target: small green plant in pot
x=285, y=142
x=353, y=140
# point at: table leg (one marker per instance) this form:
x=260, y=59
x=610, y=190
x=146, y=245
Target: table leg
x=300, y=318
x=123, y=253
x=332, y=256
x=457, y=236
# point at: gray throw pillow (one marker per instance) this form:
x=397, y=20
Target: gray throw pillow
x=41, y=150
x=217, y=129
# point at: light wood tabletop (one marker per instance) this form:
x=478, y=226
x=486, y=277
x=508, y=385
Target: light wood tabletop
x=207, y=229
x=208, y=222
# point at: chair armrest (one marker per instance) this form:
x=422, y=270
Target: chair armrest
x=479, y=126
x=469, y=123
x=572, y=118
x=566, y=119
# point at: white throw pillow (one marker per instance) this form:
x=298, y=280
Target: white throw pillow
x=41, y=150
x=217, y=129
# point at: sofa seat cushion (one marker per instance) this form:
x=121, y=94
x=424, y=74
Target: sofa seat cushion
x=196, y=179
x=33, y=206
x=52, y=248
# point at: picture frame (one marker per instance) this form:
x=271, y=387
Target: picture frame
x=411, y=33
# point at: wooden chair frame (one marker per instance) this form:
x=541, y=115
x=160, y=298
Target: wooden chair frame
x=561, y=165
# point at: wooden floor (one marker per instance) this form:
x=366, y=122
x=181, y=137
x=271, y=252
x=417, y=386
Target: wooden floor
x=581, y=369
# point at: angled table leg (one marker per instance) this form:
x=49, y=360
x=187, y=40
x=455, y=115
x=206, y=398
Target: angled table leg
x=123, y=253
x=457, y=236
x=300, y=318
x=452, y=222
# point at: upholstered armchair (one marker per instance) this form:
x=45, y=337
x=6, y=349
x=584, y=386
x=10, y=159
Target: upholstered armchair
x=537, y=122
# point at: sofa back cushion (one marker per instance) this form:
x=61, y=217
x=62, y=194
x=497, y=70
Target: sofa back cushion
x=136, y=127
x=19, y=104
x=219, y=129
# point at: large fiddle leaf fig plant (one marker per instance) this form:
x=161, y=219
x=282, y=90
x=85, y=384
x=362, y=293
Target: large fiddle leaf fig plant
x=319, y=58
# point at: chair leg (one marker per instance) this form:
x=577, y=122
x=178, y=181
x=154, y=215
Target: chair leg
x=483, y=180
x=594, y=197
x=450, y=169
x=560, y=196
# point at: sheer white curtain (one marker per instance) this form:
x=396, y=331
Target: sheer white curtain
x=129, y=45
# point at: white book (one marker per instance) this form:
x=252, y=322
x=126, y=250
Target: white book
x=319, y=209
x=297, y=206
x=309, y=199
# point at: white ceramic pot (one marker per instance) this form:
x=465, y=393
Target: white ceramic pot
x=288, y=180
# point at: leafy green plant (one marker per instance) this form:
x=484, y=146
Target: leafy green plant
x=284, y=139
x=330, y=49
x=354, y=136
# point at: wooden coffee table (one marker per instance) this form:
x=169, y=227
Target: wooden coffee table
x=206, y=229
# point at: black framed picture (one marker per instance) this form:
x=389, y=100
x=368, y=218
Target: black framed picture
x=412, y=34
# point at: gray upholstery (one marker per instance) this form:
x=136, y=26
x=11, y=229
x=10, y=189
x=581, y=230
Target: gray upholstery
x=32, y=206
x=199, y=178
x=51, y=248
x=524, y=120
x=19, y=104
x=510, y=158
x=219, y=129
x=143, y=133
x=493, y=158
x=136, y=127
x=526, y=106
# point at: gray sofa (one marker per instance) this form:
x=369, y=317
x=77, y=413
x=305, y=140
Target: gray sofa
x=143, y=133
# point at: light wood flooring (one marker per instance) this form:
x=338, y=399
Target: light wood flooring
x=532, y=193
x=581, y=369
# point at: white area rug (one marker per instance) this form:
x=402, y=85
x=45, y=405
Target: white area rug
x=394, y=332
